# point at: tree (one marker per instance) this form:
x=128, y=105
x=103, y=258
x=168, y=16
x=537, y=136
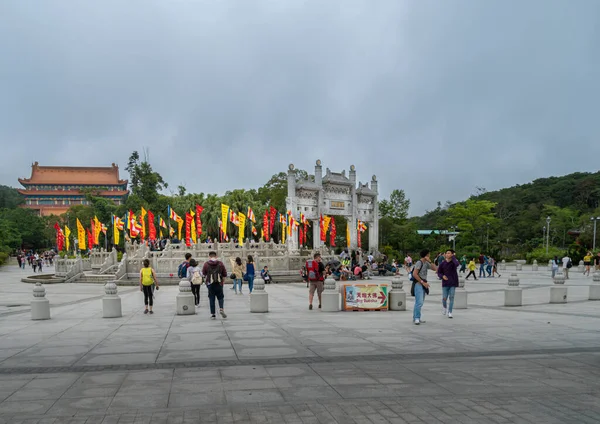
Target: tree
x=396, y=208
x=9, y=197
x=143, y=181
x=473, y=218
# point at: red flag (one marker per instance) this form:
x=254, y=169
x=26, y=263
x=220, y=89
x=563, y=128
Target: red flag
x=199, y=210
x=273, y=212
x=90, y=237
x=188, y=229
x=60, y=237
x=151, y=227
x=93, y=231
x=321, y=226
x=266, y=225
x=300, y=236
x=332, y=233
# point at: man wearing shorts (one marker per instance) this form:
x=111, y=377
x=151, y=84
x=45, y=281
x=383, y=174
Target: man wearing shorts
x=316, y=272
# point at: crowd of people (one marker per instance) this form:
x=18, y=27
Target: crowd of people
x=36, y=260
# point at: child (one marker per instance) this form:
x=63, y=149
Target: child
x=147, y=278
x=265, y=275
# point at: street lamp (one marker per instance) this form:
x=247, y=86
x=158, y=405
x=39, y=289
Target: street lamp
x=544, y=235
x=453, y=237
x=548, y=234
x=594, y=218
x=487, y=241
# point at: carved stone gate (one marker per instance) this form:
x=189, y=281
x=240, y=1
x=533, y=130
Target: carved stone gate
x=334, y=194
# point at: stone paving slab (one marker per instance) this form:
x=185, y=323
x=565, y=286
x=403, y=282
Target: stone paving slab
x=538, y=363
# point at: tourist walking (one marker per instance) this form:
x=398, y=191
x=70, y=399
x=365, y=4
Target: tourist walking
x=316, y=272
x=490, y=266
x=587, y=261
x=194, y=276
x=250, y=273
x=420, y=284
x=147, y=278
x=567, y=264
x=597, y=261
x=495, y=269
x=448, y=272
x=182, y=269
x=472, y=267
x=34, y=263
x=463, y=264
x=238, y=273
x=214, y=273
x=482, y=259
x=554, y=266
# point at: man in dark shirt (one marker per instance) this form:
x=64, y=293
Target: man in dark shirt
x=448, y=272
x=481, y=265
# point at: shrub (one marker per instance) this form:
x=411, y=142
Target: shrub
x=3, y=257
x=542, y=257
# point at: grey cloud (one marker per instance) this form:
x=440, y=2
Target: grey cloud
x=435, y=97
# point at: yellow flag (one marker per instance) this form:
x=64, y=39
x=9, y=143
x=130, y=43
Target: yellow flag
x=97, y=230
x=283, y=234
x=143, y=214
x=224, y=218
x=326, y=222
x=193, y=227
x=348, y=234
x=67, y=237
x=179, y=226
x=242, y=226
x=160, y=233
x=116, y=233
x=80, y=235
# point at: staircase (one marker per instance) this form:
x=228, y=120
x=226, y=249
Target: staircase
x=92, y=278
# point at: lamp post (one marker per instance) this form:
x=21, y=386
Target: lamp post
x=487, y=241
x=548, y=233
x=453, y=237
x=544, y=235
x=594, y=218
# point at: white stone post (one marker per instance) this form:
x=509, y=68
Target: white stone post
x=534, y=267
x=40, y=306
x=519, y=266
x=581, y=267
x=513, y=295
x=558, y=292
x=330, y=299
x=259, y=298
x=397, y=300
x=460, y=295
x=111, y=302
x=595, y=287
x=185, y=299
x=503, y=265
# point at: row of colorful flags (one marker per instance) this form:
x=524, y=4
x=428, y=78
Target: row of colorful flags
x=136, y=227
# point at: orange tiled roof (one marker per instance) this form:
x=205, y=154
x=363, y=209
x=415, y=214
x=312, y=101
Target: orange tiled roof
x=108, y=175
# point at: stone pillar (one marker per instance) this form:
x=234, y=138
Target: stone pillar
x=291, y=205
x=558, y=292
x=519, y=266
x=374, y=228
x=351, y=220
x=111, y=302
x=503, y=265
x=534, y=267
x=460, y=295
x=513, y=295
x=316, y=234
x=259, y=298
x=581, y=267
x=330, y=299
x=397, y=299
x=185, y=299
x=40, y=306
x=595, y=287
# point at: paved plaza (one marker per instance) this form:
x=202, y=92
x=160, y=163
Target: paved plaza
x=539, y=363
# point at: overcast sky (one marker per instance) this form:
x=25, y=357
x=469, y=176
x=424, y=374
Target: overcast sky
x=434, y=97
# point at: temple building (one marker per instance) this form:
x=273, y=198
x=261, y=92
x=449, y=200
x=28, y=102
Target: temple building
x=52, y=190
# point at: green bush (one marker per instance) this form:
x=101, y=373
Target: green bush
x=3, y=257
x=542, y=257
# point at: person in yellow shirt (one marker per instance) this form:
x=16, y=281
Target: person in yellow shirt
x=471, y=266
x=587, y=261
x=147, y=278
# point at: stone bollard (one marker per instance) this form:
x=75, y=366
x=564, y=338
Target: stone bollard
x=185, y=299
x=111, y=302
x=534, y=267
x=330, y=297
x=581, y=267
x=558, y=292
x=595, y=287
x=40, y=306
x=503, y=265
x=259, y=298
x=460, y=295
x=550, y=265
x=513, y=295
x=397, y=295
x=519, y=266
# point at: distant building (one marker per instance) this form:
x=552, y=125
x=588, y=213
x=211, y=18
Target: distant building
x=52, y=190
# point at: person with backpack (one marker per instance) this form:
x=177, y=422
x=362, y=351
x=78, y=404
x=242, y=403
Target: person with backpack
x=194, y=276
x=567, y=264
x=250, y=273
x=316, y=270
x=182, y=269
x=420, y=284
x=147, y=279
x=215, y=273
x=238, y=272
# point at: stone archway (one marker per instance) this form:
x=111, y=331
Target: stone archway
x=334, y=194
